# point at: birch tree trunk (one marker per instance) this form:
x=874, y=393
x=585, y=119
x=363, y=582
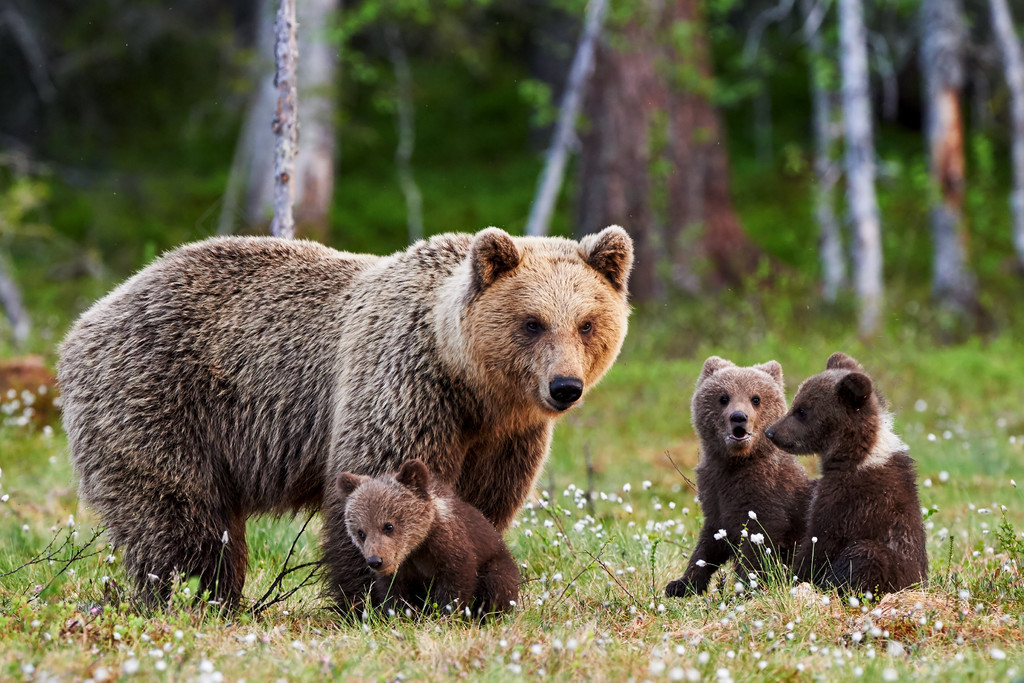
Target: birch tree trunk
x=249, y=197
x=550, y=182
x=405, y=122
x=1013, y=62
x=860, y=165
x=286, y=125
x=318, y=74
x=942, y=42
x=10, y=299
x=830, y=245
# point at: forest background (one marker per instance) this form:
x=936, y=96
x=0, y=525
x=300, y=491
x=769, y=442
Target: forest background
x=794, y=186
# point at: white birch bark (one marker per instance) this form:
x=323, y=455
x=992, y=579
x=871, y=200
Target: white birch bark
x=405, y=122
x=286, y=125
x=942, y=41
x=1013, y=62
x=550, y=182
x=10, y=299
x=318, y=73
x=248, y=198
x=860, y=165
x=830, y=245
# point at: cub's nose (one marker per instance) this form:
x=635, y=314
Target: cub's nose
x=566, y=389
x=770, y=433
x=738, y=416
x=374, y=562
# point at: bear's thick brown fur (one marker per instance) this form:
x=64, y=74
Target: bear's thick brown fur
x=864, y=528
x=239, y=376
x=740, y=472
x=425, y=546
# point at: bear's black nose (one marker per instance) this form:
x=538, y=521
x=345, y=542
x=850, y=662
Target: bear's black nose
x=738, y=416
x=374, y=562
x=770, y=433
x=566, y=389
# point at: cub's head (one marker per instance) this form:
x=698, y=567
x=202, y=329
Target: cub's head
x=388, y=517
x=544, y=318
x=834, y=410
x=732, y=406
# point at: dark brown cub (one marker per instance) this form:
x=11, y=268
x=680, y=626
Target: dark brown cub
x=864, y=528
x=741, y=472
x=425, y=546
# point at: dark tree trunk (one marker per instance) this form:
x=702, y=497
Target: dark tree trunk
x=943, y=34
x=653, y=157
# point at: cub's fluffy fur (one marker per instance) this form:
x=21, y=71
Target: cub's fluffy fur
x=240, y=376
x=864, y=529
x=740, y=472
x=425, y=546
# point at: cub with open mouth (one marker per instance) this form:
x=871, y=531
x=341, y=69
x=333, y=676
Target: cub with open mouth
x=754, y=496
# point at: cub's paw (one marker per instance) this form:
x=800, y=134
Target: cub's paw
x=680, y=588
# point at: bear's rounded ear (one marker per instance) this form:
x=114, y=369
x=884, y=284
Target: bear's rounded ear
x=712, y=365
x=349, y=482
x=854, y=389
x=610, y=252
x=840, y=361
x=774, y=369
x=414, y=475
x=492, y=254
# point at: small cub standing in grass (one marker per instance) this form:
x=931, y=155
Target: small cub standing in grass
x=740, y=472
x=864, y=527
x=425, y=545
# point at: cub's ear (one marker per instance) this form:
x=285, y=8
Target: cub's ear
x=854, y=389
x=349, y=482
x=774, y=369
x=713, y=365
x=840, y=361
x=610, y=252
x=492, y=254
x=414, y=475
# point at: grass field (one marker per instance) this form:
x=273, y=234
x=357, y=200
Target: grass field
x=592, y=606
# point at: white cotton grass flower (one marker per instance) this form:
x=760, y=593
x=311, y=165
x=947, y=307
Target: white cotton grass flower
x=757, y=539
x=721, y=534
x=701, y=563
x=752, y=515
x=224, y=537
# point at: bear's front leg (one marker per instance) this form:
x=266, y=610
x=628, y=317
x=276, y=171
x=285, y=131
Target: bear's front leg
x=709, y=554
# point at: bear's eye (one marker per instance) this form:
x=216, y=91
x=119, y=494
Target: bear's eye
x=361, y=534
x=532, y=326
x=389, y=527
x=587, y=327
x=756, y=400
x=724, y=400
x=800, y=412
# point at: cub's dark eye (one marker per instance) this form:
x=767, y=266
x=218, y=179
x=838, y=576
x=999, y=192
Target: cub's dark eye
x=756, y=400
x=724, y=400
x=389, y=527
x=361, y=534
x=800, y=412
x=533, y=327
x=587, y=327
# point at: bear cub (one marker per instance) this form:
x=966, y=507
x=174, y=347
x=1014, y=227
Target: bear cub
x=426, y=546
x=742, y=472
x=864, y=528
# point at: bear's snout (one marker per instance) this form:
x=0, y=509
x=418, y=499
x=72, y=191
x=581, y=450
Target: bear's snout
x=738, y=417
x=565, y=390
x=770, y=433
x=374, y=562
